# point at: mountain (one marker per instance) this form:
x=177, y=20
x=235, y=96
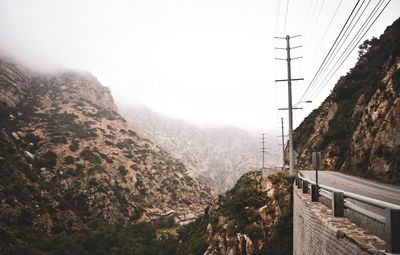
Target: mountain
x=218, y=155
x=67, y=159
x=254, y=217
x=357, y=126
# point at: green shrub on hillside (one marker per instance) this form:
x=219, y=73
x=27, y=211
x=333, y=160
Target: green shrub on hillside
x=74, y=146
x=69, y=160
x=90, y=156
x=49, y=160
x=102, y=239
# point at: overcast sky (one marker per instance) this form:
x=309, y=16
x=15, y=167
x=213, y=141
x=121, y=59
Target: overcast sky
x=208, y=61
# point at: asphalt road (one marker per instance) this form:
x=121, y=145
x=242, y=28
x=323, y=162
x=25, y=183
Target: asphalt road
x=373, y=189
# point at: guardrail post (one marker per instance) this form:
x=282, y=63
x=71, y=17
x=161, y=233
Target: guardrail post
x=300, y=186
x=392, y=226
x=337, y=204
x=314, y=193
x=305, y=187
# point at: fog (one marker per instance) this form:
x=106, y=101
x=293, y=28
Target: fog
x=210, y=62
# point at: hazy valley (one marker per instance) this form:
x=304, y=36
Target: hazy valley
x=218, y=155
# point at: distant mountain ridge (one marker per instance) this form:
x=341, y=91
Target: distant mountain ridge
x=67, y=158
x=357, y=127
x=218, y=155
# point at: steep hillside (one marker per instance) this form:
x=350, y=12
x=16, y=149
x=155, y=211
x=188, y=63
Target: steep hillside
x=68, y=158
x=357, y=127
x=217, y=155
x=255, y=217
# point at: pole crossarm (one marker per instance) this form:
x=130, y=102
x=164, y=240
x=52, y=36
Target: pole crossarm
x=298, y=79
x=293, y=108
x=284, y=38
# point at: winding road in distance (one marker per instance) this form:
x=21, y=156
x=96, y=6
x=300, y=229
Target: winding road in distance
x=373, y=189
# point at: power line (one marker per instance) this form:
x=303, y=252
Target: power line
x=342, y=40
x=355, y=45
x=277, y=12
x=336, y=47
x=311, y=17
x=287, y=10
x=326, y=31
x=308, y=12
x=316, y=21
x=330, y=50
x=372, y=13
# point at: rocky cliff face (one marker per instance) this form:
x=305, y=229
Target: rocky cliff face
x=357, y=126
x=217, y=155
x=13, y=81
x=68, y=158
x=254, y=217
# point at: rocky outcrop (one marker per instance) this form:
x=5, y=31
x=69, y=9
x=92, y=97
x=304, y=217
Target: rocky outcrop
x=357, y=127
x=87, y=85
x=376, y=139
x=251, y=217
x=13, y=81
x=67, y=158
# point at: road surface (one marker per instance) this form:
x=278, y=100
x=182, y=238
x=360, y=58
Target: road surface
x=373, y=189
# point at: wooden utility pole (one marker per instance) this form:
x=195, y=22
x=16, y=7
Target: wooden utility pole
x=283, y=145
x=290, y=105
x=282, y=136
x=263, y=149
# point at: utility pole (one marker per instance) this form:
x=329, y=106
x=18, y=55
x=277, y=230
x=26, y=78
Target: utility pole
x=290, y=106
x=263, y=149
x=282, y=136
x=283, y=145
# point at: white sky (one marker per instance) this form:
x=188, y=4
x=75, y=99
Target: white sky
x=208, y=61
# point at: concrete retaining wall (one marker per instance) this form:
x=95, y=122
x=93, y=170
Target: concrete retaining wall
x=317, y=232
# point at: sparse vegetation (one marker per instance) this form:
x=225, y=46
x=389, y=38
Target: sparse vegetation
x=59, y=140
x=140, y=239
x=396, y=80
x=237, y=212
x=122, y=171
x=90, y=156
x=69, y=160
x=74, y=146
x=49, y=160
x=364, y=101
x=96, y=169
x=125, y=144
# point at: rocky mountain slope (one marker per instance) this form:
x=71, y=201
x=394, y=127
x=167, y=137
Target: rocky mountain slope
x=357, y=127
x=254, y=217
x=217, y=155
x=67, y=158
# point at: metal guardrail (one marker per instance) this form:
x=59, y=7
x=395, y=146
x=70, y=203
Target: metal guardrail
x=342, y=199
